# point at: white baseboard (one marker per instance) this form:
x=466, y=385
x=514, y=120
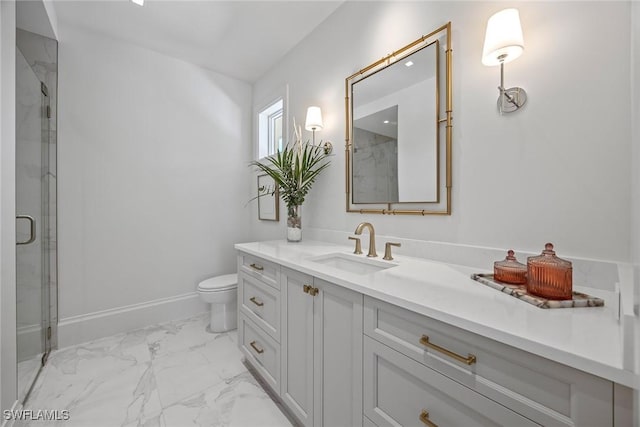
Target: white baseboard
x=87, y=327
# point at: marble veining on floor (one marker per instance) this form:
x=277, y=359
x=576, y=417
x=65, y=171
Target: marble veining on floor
x=27, y=372
x=174, y=374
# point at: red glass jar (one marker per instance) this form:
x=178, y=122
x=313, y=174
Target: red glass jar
x=510, y=270
x=549, y=276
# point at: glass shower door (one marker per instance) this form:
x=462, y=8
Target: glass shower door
x=32, y=227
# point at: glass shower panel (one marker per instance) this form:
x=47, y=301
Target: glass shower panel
x=32, y=201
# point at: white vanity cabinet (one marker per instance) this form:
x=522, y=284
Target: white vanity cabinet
x=321, y=351
x=336, y=357
x=304, y=337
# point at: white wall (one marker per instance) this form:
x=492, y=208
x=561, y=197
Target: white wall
x=417, y=154
x=7, y=204
x=557, y=170
x=152, y=178
x=37, y=16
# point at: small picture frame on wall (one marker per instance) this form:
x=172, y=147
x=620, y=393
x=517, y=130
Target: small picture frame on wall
x=268, y=198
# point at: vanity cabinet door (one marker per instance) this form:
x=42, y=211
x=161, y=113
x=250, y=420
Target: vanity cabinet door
x=321, y=351
x=297, y=345
x=337, y=355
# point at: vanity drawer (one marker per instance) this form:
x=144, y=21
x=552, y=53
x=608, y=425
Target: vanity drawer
x=261, y=304
x=549, y=393
x=262, y=352
x=261, y=269
x=399, y=391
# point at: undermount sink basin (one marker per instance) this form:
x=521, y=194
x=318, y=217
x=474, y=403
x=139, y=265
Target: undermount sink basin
x=352, y=264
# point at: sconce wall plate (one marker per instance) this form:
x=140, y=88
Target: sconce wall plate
x=514, y=98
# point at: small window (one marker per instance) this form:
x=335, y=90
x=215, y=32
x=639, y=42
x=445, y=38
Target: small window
x=270, y=125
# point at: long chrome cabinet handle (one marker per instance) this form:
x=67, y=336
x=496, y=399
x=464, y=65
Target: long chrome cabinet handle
x=256, y=348
x=469, y=360
x=424, y=417
x=32, y=229
x=256, y=267
x=256, y=302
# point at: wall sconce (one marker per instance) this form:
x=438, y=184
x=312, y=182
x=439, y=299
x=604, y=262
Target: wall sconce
x=314, y=123
x=503, y=42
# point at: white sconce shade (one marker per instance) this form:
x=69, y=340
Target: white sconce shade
x=138, y=2
x=503, y=41
x=314, y=119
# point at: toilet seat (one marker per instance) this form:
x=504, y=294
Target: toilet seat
x=219, y=283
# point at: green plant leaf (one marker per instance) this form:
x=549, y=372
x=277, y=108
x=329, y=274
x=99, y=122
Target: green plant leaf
x=295, y=170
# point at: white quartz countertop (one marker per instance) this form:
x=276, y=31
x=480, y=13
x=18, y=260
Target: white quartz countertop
x=589, y=339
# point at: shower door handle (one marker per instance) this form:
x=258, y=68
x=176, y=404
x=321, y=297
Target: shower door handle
x=32, y=229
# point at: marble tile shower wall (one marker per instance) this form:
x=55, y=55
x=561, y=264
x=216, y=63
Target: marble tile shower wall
x=41, y=54
x=375, y=171
x=173, y=374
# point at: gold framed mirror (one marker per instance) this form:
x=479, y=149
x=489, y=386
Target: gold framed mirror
x=399, y=130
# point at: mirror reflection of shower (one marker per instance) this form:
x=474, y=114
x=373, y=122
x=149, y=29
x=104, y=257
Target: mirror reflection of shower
x=394, y=123
x=375, y=157
x=36, y=196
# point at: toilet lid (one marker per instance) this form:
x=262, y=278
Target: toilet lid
x=219, y=283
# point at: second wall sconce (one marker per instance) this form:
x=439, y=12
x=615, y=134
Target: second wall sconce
x=314, y=123
x=503, y=42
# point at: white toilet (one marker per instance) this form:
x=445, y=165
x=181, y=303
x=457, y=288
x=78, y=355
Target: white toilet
x=222, y=293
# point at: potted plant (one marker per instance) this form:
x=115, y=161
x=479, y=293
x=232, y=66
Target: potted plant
x=295, y=169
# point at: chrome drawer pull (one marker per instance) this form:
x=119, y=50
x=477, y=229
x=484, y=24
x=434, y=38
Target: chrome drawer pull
x=424, y=417
x=256, y=302
x=469, y=360
x=256, y=267
x=257, y=349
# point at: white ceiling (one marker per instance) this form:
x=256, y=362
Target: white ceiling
x=242, y=39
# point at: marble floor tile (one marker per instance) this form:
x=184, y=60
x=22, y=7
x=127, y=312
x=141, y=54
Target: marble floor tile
x=224, y=357
x=107, y=382
x=27, y=371
x=183, y=373
x=238, y=402
x=170, y=375
x=178, y=336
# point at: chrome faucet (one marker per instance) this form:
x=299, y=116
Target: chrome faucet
x=372, y=237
